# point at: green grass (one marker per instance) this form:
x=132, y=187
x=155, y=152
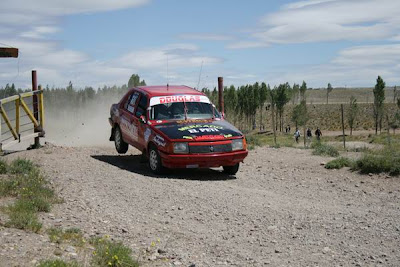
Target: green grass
x=339, y=163
x=26, y=183
x=254, y=140
x=73, y=236
x=324, y=150
x=22, y=215
x=111, y=253
x=21, y=166
x=57, y=263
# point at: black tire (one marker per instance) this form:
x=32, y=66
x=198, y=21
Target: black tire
x=231, y=170
x=155, y=164
x=120, y=144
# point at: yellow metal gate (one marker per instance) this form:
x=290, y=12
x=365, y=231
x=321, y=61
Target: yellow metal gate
x=16, y=125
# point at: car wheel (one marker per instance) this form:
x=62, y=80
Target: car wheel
x=231, y=170
x=120, y=144
x=155, y=161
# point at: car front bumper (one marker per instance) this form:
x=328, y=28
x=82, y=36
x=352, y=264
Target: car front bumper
x=202, y=160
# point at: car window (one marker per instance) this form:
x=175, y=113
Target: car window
x=131, y=103
x=141, y=109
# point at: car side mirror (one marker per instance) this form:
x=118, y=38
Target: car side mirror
x=142, y=119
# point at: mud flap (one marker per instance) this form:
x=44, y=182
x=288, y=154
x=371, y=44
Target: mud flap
x=112, y=135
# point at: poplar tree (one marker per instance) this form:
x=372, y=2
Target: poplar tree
x=379, y=97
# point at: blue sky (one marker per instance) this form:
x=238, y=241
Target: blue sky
x=101, y=42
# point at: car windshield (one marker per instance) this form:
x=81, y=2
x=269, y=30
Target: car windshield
x=183, y=110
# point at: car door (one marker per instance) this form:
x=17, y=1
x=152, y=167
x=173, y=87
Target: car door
x=128, y=124
x=141, y=110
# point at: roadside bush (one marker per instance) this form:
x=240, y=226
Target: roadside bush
x=111, y=253
x=339, y=163
x=253, y=141
x=73, y=236
x=324, y=150
x=379, y=162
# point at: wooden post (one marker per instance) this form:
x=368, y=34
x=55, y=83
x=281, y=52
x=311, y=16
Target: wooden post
x=35, y=107
x=344, y=137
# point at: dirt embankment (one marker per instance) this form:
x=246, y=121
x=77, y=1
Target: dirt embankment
x=283, y=209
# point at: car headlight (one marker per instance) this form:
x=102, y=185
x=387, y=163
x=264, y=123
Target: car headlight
x=181, y=148
x=237, y=144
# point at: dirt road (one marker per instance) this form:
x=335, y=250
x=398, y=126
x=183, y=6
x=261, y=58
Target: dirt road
x=283, y=209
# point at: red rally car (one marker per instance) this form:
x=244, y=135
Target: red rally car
x=176, y=127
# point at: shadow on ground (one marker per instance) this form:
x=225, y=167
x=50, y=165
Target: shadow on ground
x=132, y=163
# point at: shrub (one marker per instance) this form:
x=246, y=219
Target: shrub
x=57, y=263
x=379, y=162
x=324, y=150
x=253, y=141
x=111, y=253
x=3, y=167
x=22, y=215
x=21, y=166
x=33, y=195
x=339, y=163
x=71, y=235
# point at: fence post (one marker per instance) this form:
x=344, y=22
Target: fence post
x=35, y=107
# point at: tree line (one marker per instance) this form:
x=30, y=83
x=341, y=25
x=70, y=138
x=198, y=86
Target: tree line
x=246, y=106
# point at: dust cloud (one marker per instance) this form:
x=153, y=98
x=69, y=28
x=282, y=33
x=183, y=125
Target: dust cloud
x=87, y=126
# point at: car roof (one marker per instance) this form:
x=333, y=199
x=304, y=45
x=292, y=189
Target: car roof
x=164, y=90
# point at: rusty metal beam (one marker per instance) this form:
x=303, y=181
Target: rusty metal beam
x=8, y=52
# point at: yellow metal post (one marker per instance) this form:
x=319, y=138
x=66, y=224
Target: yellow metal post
x=7, y=120
x=29, y=113
x=17, y=123
x=41, y=107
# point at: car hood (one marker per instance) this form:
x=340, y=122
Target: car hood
x=199, y=130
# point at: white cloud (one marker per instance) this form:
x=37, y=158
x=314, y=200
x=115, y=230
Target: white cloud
x=176, y=56
x=302, y=4
x=354, y=66
x=328, y=20
x=39, y=32
x=205, y=36
x=372, y=55
x=246, y=44
x=61, y=7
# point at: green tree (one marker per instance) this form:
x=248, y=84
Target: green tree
x=300, y=117
x=134, y=81
x=394, y=94
x=263, y=97
x=328, y=91
x=379, y=97
x=272, y=97
x=282, y=98
x=303, y=90
x=295, y=93
x=353, y=112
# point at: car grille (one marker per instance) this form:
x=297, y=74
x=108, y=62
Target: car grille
x=210, y=149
